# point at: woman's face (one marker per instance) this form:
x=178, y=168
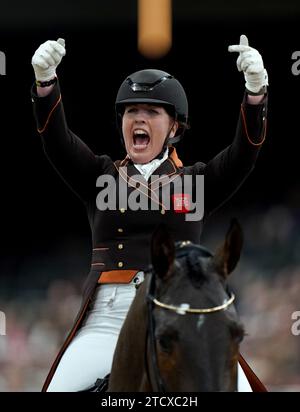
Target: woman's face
x=145, y=128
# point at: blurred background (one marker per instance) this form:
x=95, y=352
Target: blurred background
x=45, y=237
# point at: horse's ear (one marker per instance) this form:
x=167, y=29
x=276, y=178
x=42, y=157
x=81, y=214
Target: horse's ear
x=162, y=250
x=228, y=255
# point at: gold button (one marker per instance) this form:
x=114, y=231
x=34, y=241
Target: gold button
x=120, y=246
x=120, y=264
x=120, y=230
x=122, y=210
x=162, y=211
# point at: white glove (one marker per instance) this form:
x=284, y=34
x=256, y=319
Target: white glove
x=46, y=59
x=251, y=63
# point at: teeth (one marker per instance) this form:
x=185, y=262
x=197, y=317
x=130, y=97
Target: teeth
x=139, y=131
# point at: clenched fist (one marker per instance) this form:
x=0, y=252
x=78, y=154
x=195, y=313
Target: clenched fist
x=46, y=59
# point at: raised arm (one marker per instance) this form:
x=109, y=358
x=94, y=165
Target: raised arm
x=71, y=157
x=226, y=172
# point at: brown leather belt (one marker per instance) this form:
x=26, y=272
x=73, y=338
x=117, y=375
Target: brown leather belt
x=117, y=276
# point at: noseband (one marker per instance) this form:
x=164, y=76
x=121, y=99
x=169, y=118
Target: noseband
x=182, y=249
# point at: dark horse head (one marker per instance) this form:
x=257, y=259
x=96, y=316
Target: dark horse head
x=182, y=332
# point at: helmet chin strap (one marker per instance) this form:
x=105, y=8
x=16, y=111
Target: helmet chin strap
x=165, y=145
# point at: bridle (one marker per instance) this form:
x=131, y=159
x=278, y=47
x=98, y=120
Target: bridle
x=182, y=309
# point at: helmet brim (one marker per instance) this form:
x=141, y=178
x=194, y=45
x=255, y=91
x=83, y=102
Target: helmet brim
x=143, y=100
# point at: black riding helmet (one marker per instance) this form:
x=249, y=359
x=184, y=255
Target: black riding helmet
x=154, y=87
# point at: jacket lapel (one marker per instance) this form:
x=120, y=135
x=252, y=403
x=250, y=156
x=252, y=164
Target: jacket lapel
x=168, y=171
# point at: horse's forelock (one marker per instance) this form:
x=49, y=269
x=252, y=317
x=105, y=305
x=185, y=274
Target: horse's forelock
x=197, y=268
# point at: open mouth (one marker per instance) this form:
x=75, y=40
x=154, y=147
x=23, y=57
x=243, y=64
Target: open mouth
x=141, y=139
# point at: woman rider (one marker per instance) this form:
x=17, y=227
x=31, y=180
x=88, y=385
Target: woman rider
x=152, y=115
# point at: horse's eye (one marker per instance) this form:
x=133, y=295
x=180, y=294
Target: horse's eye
x=165, y=343
x=237, y=331
x=240, y=336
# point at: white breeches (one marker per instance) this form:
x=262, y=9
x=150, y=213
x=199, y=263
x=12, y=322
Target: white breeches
x=90, y=353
